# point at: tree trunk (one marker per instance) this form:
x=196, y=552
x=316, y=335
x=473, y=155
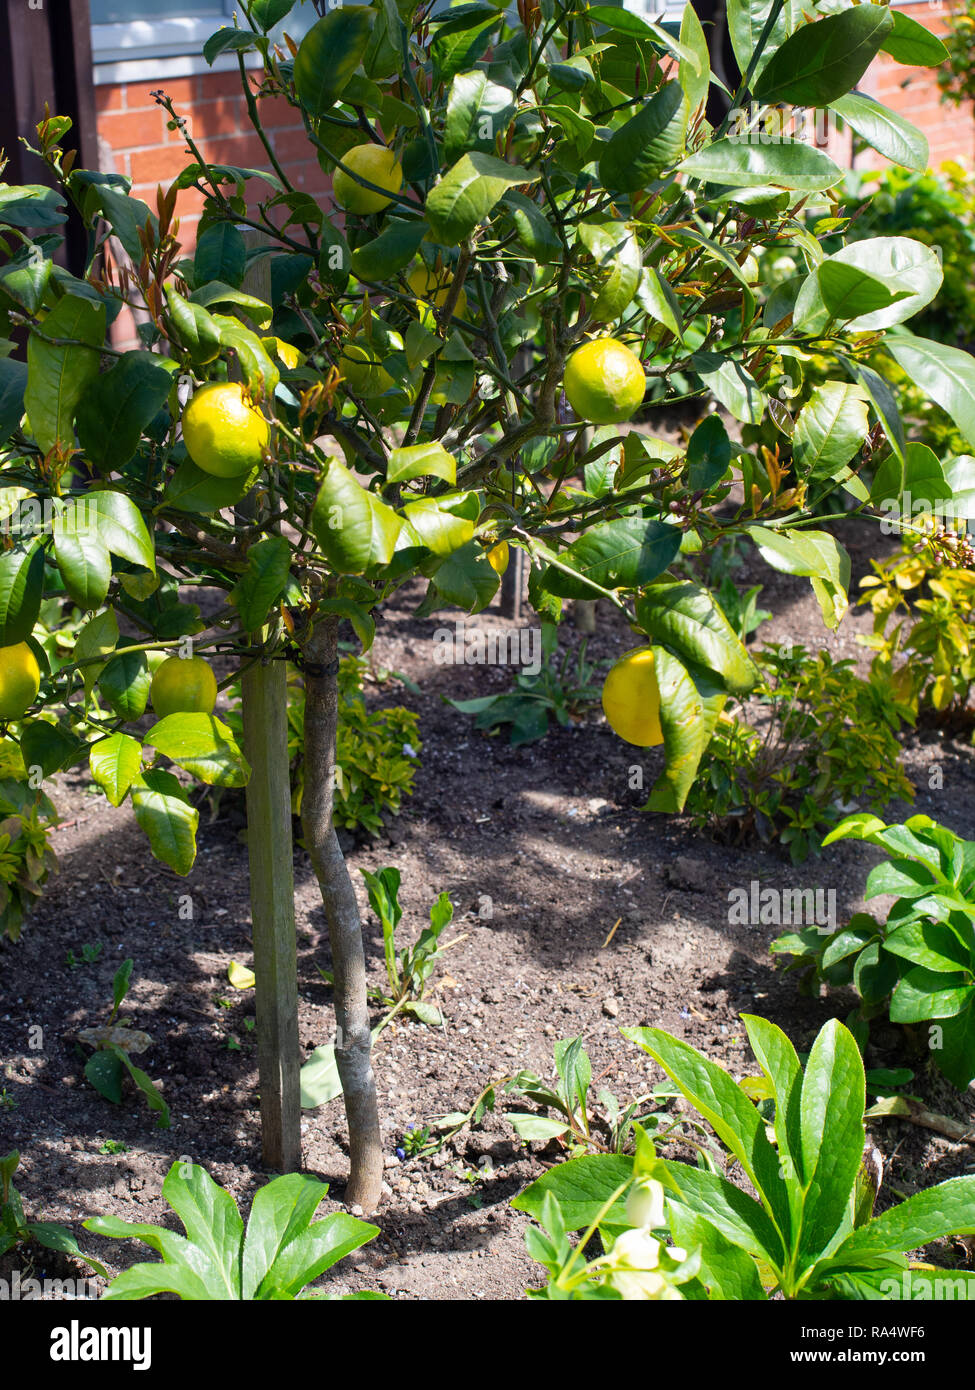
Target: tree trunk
x=353, y=1039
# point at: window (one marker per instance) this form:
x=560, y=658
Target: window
x=137, y=41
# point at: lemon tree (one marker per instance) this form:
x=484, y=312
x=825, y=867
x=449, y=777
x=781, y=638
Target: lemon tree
x=532, y=230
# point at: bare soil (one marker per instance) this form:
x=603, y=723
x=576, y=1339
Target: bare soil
x=542, y=849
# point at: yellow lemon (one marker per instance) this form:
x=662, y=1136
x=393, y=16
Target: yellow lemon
x=604, y=381
x=20, y=679
x=426, y=285
x=498, y=557
x=363, y=370
x=284, y=352
x=183, y=685
x=223, y=433
x=631, y=699
x=372, y=162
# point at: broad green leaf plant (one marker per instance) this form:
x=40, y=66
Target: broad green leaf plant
x=807, y=1227
x=917, y=966
x=545, y=181
x=281, y=1250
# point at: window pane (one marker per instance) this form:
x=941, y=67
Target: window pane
x=121, y=11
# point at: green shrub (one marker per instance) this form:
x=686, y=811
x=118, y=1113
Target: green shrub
x=376, y=750
x=27, y=818
x=808, y=1232
x=918, y=966
x=924, y=625
x=828, y=739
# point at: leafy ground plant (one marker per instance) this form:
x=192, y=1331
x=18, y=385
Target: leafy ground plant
x=114, y=1042
x=282, y=1250
x=919, y=965
x=565, y=693
x=827, y=740
x=15, y=1229
x=808, y=1231
x=923, y=626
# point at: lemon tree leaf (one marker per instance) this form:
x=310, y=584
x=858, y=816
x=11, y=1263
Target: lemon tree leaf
x=13, y=384
x=192, y=490
x=824, y=60
x=97, y=638
x=616, y=251
x=648, y=142
x=391, y=251
x=535, y=232
x=84, y=562
x=945, y=373
x=694, y=70
x=467, y=578
x=329, y=54
x=117, y=407
x=57, y=375
x=115, y=762
x=443, y=524
x=203, y=745
x=478, y=110
x=124, y=682
x=886, y=131
x=467, y=193
x=831, y=427
x=167, y=818
x=782, y=164
x=21, y=590
x=910, y=43
x=421, y=461
x=733, y=385
x=264, y=581
x=687, y=618
x=746, y=22
x=690, y=702
x=623, y=554
x=354, y=528
x=907, y=269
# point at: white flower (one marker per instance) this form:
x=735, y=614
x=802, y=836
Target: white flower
x=645, y=1204
x=635, y=1250
x=409, y=751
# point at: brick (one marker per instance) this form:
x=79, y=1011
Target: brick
x=208, y=119
x=277, y=113
x=210, y=85
x=128, y=129
x=245, y=149
x=160, y=165
x=179, y=88
x=108, y=98
x=292, y=145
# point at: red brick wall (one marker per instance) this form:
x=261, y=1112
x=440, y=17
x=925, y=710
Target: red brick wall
x=914, y=92
x=134, y=128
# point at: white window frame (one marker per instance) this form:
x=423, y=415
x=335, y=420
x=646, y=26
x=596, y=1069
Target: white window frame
x=144, y=50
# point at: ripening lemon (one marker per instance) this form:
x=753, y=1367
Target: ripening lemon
x=183, y=685
x=284, y=352
x=223, y=433
x=604, y=381
x=363, y=370
x=433, y=288
x=372, y=162
x=631, y=699
x=20, y=679
x=498, y=557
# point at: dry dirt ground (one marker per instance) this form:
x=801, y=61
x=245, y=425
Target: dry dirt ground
x=553, y=837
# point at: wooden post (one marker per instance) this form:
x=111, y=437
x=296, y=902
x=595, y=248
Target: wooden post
x=272, y=891
x=270, y=854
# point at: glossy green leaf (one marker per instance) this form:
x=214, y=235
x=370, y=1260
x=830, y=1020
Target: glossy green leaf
x=167, y=818
x=421, y=461
x=694, y=70
x=124, y=684
x=686, y=617
x=948, y=1208
x=115, y=763
x=467, y=578
x=582, y=1186
x=221, y=254
x=782, y=164
x=623, y=554
x=910, y=43
x=354, y=528
x=203, y=745
x=831, y=427
x=535, y=232
x=690, y=702
x=117, y=407
x=395, y=247
x=647, y=143
x=832, y=1133
x=826, y=59
x=467, y=193
x=731, y=384
x=886, y=131
x=898, y=263
x=21, y=590
x=59, y=375
x=13, y=384
x=947, y=375
x=746, y=23
x=478, y=110
x=708, y=453
x=616, y=251
x=264, y=581
x=329, y=54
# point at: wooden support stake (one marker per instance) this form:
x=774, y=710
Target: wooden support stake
x=272, y=891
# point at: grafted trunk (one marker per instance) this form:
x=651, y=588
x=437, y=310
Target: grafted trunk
x=353, y=1045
